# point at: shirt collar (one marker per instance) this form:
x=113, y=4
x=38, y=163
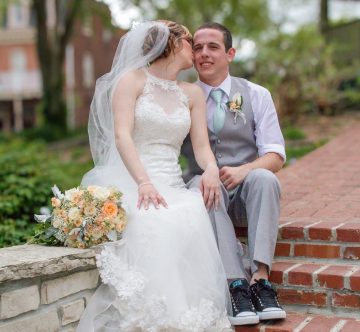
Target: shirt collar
x=224, y=86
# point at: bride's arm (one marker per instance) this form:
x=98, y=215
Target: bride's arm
x=123, y=105
x=210, y=182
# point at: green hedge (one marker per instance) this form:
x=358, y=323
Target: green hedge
x=28, y=170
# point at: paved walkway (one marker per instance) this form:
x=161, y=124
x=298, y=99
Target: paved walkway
x=317, y=257
x=325, y=184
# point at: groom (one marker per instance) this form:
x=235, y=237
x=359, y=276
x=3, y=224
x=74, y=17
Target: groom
x=246, y=139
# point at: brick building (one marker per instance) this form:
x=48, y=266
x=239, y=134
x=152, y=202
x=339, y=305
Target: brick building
x=89, y=54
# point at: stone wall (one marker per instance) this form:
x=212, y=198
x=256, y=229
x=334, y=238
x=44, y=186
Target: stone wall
x=45, y=288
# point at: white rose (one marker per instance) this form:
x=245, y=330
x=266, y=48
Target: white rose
x=89, y=210
x=57, y=223
x=101, y=193
x=74, y=213
x=69, y=193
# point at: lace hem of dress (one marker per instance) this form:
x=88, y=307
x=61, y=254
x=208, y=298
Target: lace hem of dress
x=149, y=312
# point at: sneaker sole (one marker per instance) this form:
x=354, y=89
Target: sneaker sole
x=247, y=320
x=278, y=314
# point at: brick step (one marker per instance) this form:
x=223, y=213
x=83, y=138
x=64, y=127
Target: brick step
x=323, y=287
x=312, y=238
x=346, y=251
x=301, y=322
x=315, y=230
x=335, y=230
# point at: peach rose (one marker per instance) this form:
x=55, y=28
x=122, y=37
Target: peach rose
x=233, y=105
x=81, y=203
x=120, y=227
x=78, y=222
x=76, y=197
x=55, y=202
x=81, y=245
x=110, y=209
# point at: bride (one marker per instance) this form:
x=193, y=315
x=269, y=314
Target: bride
x=165, y=274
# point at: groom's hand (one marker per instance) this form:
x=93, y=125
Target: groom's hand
x=233, y=176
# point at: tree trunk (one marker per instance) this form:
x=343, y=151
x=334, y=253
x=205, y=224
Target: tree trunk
x=324, y=16
x=51, y=45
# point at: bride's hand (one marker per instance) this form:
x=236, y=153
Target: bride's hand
x=210, y=186
x=148, y=193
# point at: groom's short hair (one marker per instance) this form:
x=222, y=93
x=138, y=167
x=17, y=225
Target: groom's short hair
x=225, y=31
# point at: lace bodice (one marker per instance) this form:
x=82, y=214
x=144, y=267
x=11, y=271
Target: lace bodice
x=162, y=121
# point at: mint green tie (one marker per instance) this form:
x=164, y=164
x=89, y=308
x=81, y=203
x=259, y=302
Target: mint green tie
x=219, y=114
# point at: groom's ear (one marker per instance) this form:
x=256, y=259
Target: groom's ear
x=230, y=54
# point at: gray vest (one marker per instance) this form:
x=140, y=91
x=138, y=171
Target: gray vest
x=235, y=144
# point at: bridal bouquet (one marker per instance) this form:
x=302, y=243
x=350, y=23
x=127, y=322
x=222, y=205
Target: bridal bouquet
x=82, y=217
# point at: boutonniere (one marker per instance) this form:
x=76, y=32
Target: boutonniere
x=234, y=106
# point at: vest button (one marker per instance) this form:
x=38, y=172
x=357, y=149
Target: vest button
x=219, y=155
x=218, y=141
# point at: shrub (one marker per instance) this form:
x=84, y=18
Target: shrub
x=25, y=185
x=28, y=170
x=293, y=133
x=301, y=72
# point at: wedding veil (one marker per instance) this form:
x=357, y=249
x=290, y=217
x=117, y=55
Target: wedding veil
x=130, y=55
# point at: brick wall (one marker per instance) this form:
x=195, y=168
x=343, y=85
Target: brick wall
x=45, y=288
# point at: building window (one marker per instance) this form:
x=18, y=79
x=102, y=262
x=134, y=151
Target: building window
x=18, y=60
x=18, y=15
x=88, y=70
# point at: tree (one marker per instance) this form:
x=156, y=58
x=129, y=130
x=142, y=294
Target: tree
x=324, y=16
x=51, y=45
x=246, y=18
x=300, y=71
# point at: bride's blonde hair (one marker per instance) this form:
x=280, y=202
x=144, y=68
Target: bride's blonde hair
x=177, y=31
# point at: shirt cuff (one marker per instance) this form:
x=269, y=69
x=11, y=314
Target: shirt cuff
x=276, y=148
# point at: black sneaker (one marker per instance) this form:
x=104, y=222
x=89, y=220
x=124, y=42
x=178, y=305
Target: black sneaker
x=243, y=310
x=264, y=298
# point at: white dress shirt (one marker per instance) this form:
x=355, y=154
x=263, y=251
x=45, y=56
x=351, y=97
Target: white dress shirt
x=267, y=129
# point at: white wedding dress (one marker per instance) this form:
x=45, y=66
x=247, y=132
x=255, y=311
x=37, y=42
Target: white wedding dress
x=165, y=274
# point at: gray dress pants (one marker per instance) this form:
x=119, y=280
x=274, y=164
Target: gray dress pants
x=255, y=203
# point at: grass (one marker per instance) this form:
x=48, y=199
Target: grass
x=293, y=134
x=297, y=144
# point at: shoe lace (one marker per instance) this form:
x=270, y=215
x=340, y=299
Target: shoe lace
x=267, y=294
x=242, y=299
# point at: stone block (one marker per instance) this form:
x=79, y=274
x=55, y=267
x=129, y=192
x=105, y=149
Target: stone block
x=39, y=322
x=31, y=261
x=71, y=312
x=68, y=329
x=52, y=290
x=18, y=301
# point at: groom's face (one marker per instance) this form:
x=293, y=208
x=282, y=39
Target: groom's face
x=211, y=60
